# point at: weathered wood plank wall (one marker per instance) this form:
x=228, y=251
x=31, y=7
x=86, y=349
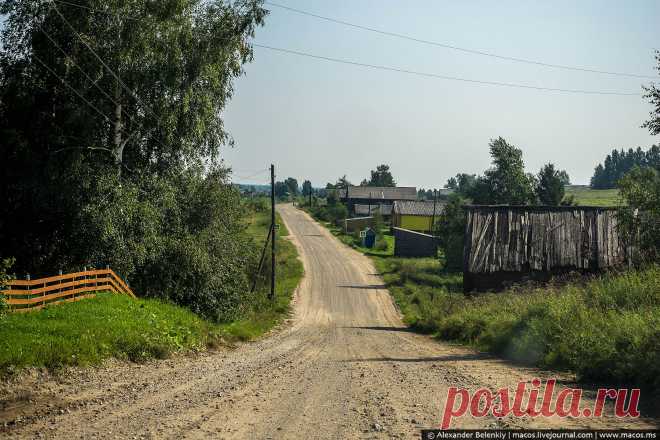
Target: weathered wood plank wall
x=507, y=242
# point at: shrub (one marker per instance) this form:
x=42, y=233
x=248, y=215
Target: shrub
x=5, y=265
x=640, y=218
x=179, y=238
x=450, y=230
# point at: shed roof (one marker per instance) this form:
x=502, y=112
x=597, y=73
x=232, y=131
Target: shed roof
x=380, y=192
x=416, y=207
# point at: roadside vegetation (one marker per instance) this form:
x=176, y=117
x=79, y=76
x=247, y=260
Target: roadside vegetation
x=262, y=313
x=88, y=331
x=606, y=329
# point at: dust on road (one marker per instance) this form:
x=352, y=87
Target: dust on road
x=343, y=367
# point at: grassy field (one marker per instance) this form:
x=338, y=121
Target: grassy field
x=88, y=331
x=604, y=329
x=594, y=197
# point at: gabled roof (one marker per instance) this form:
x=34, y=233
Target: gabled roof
x=417, y=207
x=380, y=192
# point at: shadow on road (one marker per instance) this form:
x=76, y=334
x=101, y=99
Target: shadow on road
x=446, y=358
x=363, y=286
x=382, y=328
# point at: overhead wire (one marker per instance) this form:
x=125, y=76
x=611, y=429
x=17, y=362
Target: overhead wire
x=458, y=48
x=438, y=76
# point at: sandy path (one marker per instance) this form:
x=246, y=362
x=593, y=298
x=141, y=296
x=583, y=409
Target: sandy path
x=344, y=367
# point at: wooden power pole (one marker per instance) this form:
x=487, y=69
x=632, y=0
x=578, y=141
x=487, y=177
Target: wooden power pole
x=272, y=232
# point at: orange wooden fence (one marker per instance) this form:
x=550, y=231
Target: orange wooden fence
x=26, y=295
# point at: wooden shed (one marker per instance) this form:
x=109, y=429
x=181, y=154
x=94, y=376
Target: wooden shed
x=513, y=243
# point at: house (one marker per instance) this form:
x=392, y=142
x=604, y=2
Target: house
x=375, y=195
x=415, y=215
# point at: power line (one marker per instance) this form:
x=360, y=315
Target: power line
x=71, y=87
x=260, y=172
x=76, y=5
x=79, y=68
x=445, y=77
x=457, y=48
x=124, y=86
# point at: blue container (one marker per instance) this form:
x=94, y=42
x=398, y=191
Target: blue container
x=369, y=238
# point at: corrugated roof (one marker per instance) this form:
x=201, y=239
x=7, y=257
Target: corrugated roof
x=381, y=192
x=416, y=207
x=364, y=209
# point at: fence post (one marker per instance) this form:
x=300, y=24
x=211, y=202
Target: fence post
x=29, y=289
x=59, y=282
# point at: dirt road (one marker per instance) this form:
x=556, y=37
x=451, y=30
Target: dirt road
x=343, y=367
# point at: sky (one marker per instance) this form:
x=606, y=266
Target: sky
x=319, y=120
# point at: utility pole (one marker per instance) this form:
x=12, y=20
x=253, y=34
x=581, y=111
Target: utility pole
x=310, y=195
x=435, y=200
x=272, y=232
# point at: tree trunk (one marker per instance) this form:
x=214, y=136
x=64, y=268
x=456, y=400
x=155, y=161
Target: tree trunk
x=118, y=143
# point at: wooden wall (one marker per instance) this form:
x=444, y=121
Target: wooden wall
x=506, y=243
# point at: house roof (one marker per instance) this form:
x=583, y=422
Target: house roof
x=416, y=207
x=380, y=192
x=364, y=209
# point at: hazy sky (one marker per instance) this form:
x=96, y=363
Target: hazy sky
x=319, y=120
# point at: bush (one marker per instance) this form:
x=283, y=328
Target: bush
x=640, y=217
x=179, y=238
x=5, y=265
x=450, y=230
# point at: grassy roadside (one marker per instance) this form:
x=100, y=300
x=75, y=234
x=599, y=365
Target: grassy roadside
x=264, y=314
x=86, y=332
x=606, y=329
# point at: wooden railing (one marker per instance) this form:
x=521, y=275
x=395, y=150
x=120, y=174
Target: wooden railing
x=26, y=295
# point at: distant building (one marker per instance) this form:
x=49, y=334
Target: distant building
x=415, y=215
x=376, y=195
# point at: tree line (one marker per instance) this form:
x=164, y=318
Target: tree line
x=619, y=162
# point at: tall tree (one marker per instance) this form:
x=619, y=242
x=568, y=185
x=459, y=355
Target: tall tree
x=292, y=186
x=506, y=181
x=307, y=188
x=382, y=176
x=111, y=132
x=653, y=95
x=343, y=182
x=550, y=189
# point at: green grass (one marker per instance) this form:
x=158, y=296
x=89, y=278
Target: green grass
x=594, y=197
x=266, y=314
x=606, y=329
x=88, y=331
